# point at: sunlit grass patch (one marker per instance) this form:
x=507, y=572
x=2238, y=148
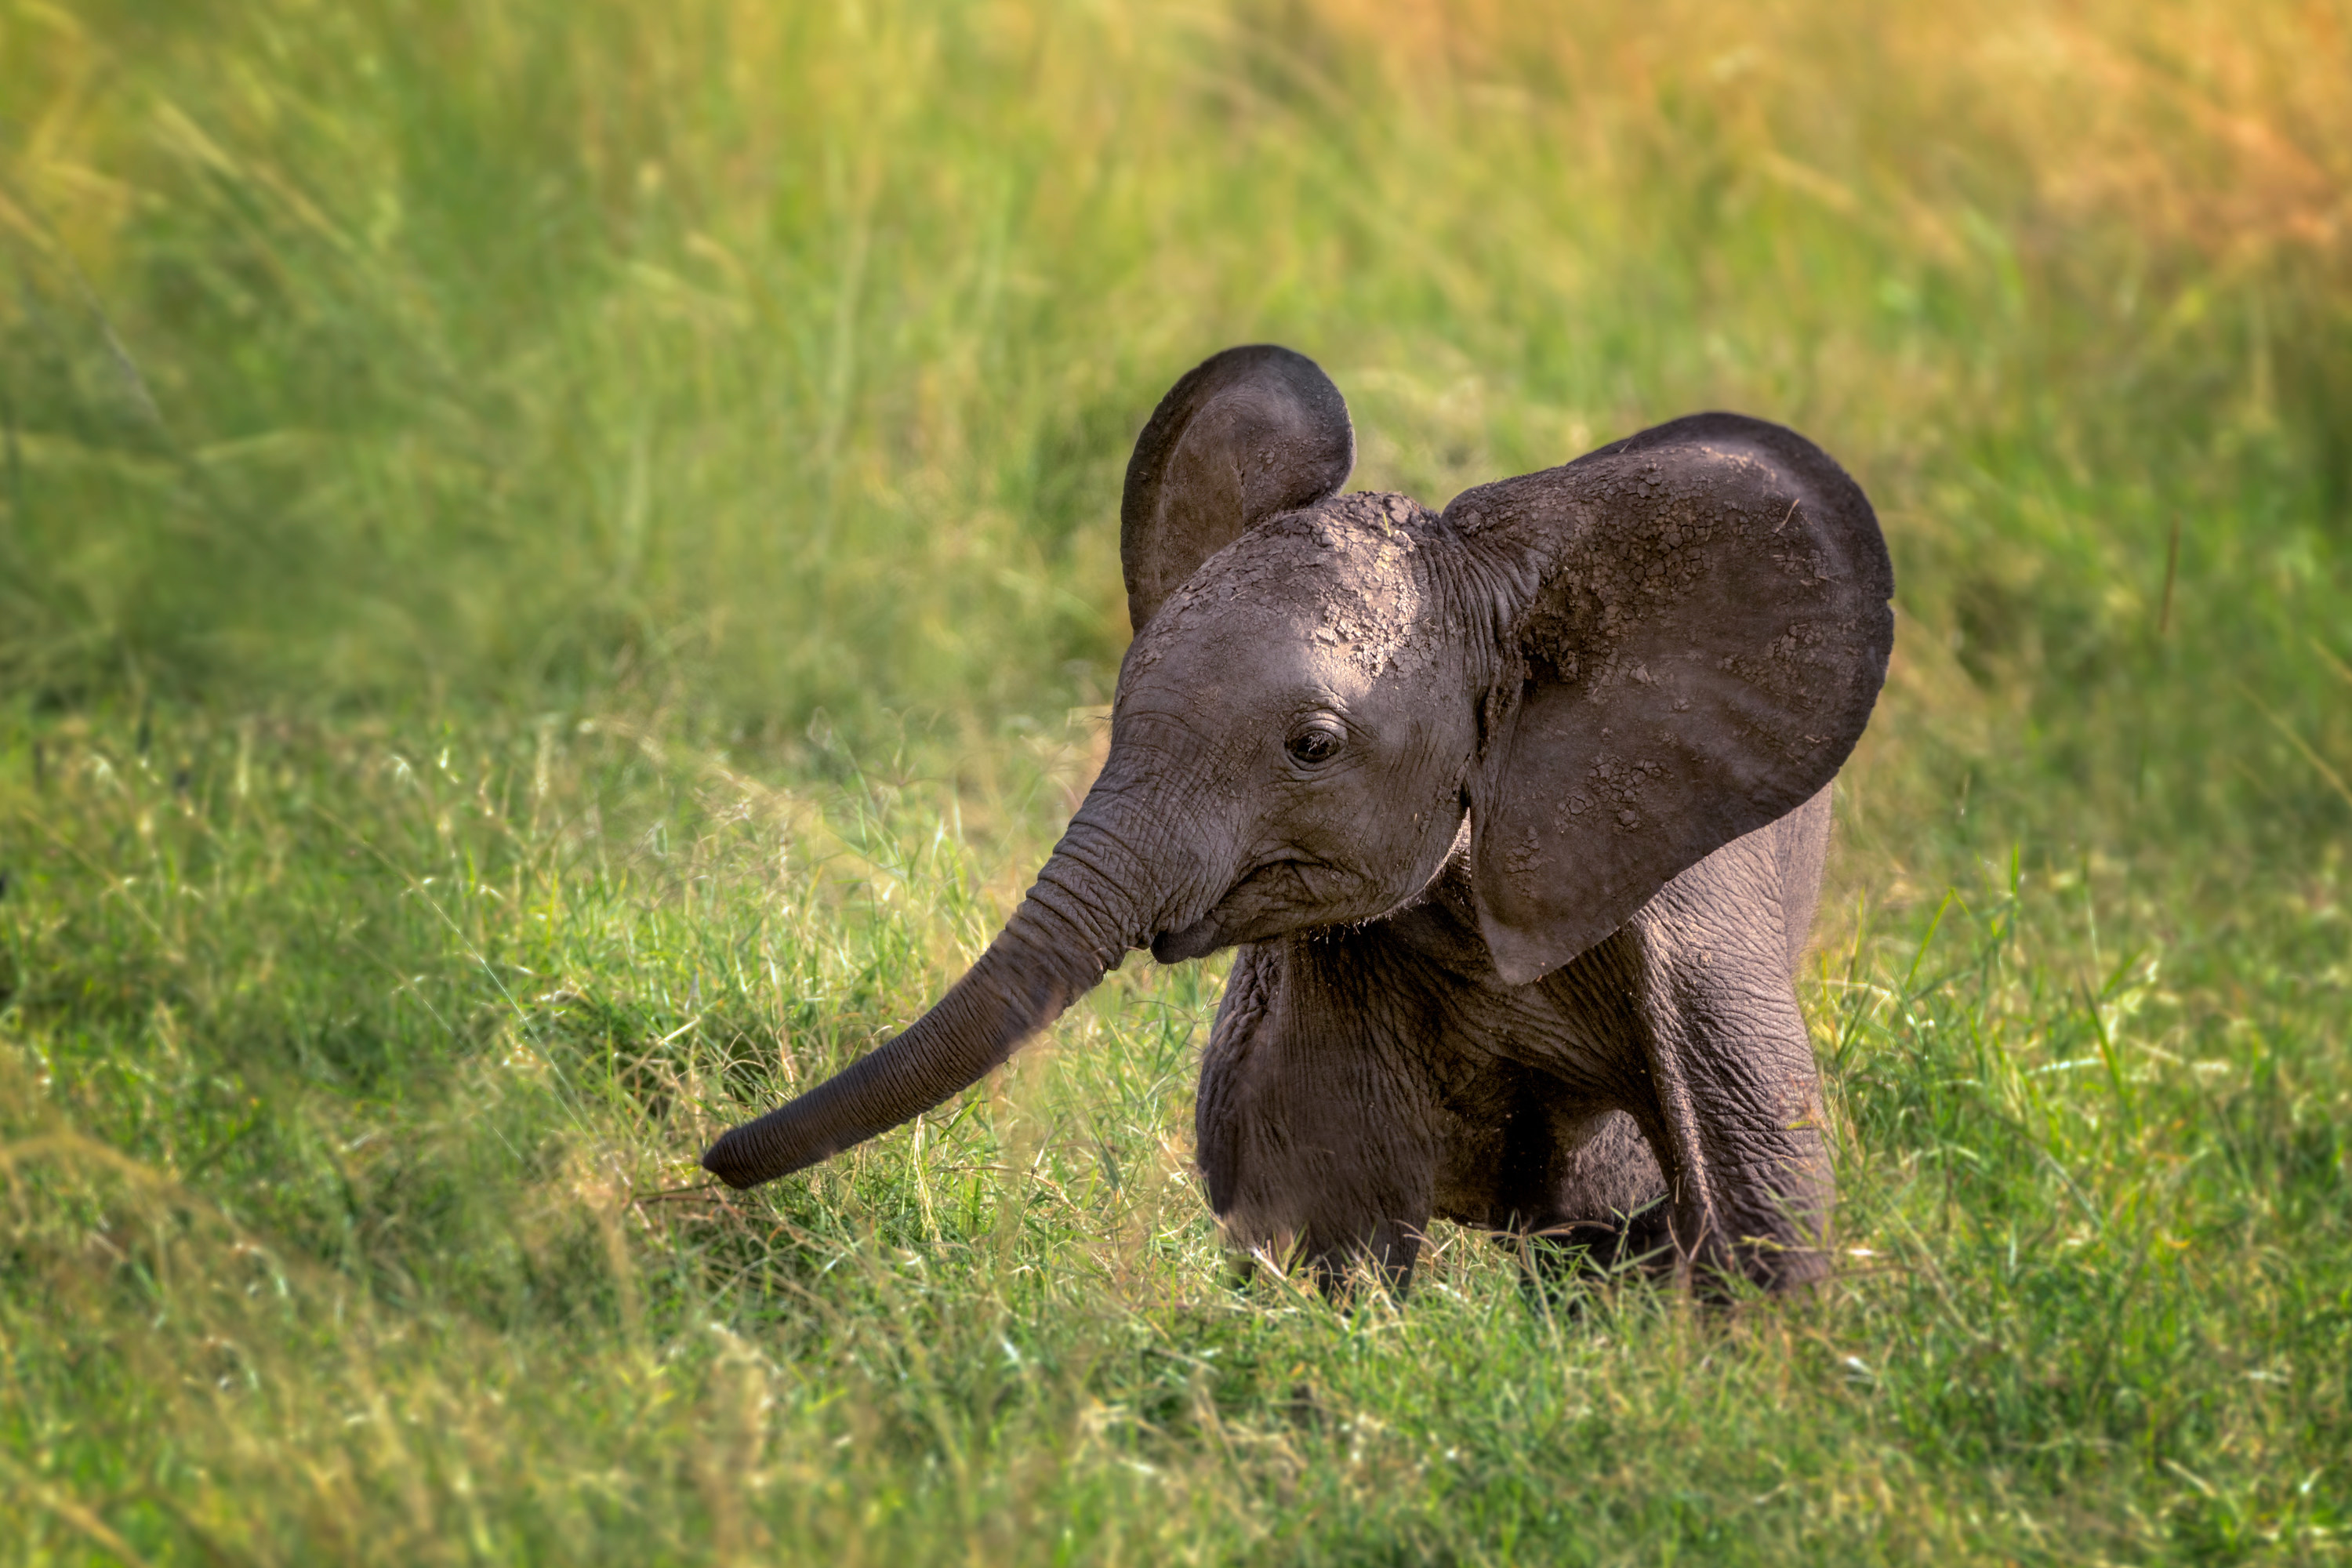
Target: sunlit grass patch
x=406, y=1256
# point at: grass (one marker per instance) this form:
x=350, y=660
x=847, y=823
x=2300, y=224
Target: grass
x=351, y=1216
x=555, y=574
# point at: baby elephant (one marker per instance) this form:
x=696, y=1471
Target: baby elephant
x=1516, y=812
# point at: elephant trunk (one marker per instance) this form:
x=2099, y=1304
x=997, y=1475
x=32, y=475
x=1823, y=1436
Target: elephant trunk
x=1086, y=910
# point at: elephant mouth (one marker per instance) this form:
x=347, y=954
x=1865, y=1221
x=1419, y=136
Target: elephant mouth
x=1199, y=940
x=1272, y=897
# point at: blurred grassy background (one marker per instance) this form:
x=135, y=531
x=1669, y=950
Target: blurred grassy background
x=545, y=554
x=736, y=360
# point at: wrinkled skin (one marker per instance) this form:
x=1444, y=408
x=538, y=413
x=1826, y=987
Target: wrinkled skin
x=1330, y=1119
x=1516, y=814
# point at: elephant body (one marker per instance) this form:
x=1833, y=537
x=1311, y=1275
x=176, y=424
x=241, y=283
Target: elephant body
x=1359, y=1082
x=1517, y=813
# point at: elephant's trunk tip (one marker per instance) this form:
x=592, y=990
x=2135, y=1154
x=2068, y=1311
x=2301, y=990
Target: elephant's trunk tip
x=1049, y=953
x=724, y=1161
x=746, y=1156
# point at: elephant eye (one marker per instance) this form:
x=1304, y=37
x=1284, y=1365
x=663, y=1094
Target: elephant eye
x=1315, y=741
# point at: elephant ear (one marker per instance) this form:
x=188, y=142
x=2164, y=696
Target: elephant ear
x=1247, y=434
x=1695, y=627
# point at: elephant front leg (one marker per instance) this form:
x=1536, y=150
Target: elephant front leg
x=1736, y=1123
x=1748, y=1181
x=1313, y=1133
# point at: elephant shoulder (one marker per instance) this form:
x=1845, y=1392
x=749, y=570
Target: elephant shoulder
x=1754, y=895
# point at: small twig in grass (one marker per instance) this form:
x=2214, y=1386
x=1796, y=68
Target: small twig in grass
x=670, y=1194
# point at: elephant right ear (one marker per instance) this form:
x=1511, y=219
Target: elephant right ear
x=1695, y=623
x=1247, y=434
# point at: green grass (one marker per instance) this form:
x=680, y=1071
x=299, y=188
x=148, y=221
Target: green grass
x=557, y=568
x=344, y=1165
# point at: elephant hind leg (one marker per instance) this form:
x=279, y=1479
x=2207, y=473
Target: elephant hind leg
x=1600, y=1172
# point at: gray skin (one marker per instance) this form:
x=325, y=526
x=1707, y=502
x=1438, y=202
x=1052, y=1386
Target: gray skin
x=1516, y=813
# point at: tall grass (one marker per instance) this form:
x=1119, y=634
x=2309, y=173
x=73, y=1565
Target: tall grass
x=755, y=359
x=555, y=563
x=354, y=1094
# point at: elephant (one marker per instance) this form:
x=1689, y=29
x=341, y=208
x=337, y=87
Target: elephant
x=1516, y=813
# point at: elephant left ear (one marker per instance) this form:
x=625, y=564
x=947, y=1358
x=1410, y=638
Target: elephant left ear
x=1697, y=626
x=1245, y=434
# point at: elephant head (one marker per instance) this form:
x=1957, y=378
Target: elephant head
x=1579, y=682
